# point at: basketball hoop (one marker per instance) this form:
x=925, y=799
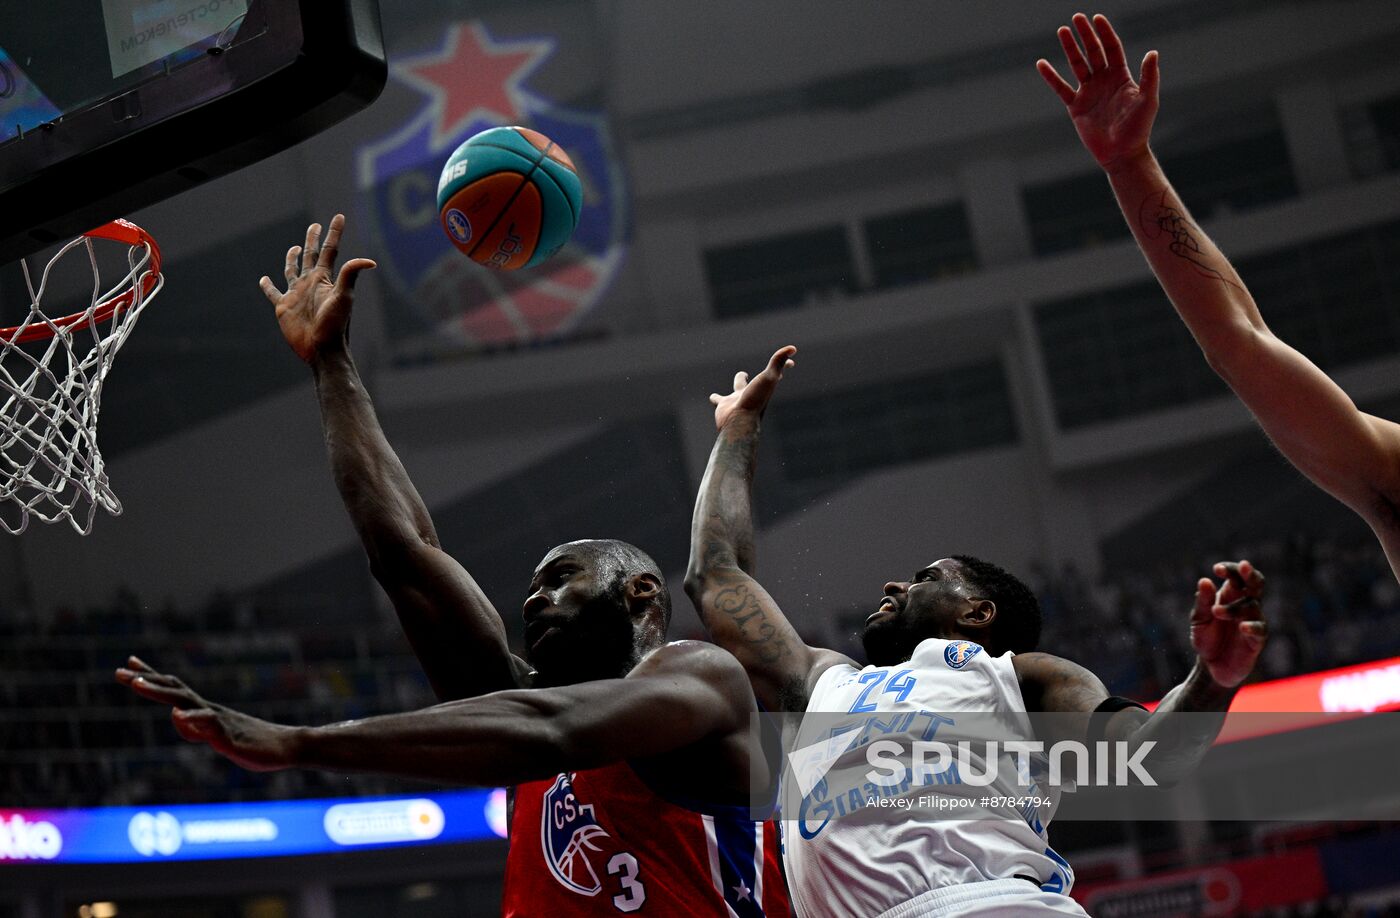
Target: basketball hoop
x=50, y=466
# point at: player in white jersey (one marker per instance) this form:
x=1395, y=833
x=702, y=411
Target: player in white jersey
x=958, y=636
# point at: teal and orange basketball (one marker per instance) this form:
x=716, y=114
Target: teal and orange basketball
x=509, y=198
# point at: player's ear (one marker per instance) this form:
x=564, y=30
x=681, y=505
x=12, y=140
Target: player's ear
x=981, y=614
x=642, y=589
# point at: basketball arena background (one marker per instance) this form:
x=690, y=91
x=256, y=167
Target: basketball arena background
x=986, y=367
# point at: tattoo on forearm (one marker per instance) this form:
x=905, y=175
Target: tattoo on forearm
x=1159, y=216
x=738, y=602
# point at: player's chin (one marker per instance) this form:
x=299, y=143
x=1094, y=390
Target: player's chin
x=882, y=639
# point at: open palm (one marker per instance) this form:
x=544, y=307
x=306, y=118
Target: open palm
x=1112, y=113
x=314, y=313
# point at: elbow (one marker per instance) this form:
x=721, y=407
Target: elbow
x=1234, y=347
x=694, y=583
x=394, y=555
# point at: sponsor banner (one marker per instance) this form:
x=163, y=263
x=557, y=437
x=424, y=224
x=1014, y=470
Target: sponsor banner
x=273, y=829
x=1234, y=888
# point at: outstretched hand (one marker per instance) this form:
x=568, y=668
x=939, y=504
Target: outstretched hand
x=1112, y=113
x=752, y=394
x=1228, y=630
x=314, y=313
x=247, y=741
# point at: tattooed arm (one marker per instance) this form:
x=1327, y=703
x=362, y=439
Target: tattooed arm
x=739, y=614
x=1352, y=455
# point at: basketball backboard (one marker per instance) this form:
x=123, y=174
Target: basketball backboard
x=107, y=106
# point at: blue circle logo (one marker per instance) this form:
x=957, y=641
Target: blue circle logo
x=459, y=226
x=958, y=653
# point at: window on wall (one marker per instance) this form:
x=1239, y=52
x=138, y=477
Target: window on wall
x=1337, y=299
x=780, y=272
x=920, y=245
x=1219, y=164
x=1117, y=353
x=1124, y=352
x=1073, y=213
x=1233, y=174
x=895, y=422
x=1372, y=132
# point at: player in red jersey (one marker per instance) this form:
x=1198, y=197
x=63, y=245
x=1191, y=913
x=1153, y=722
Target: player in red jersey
x=630, y=757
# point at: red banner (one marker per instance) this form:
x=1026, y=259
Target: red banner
x=1314, y=699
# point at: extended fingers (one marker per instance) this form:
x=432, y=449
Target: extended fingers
x=1073, y=55
x=175, y=696
x=350, y=271
x=332, y=244
x=289, y=270
x=1205, y=600
x=135, y=662
x=1112, y=45
x=782, y=359
x=1093, y=48
x=312, y=252
x=1151, y=76
x=1055, y=81
x=269, y=289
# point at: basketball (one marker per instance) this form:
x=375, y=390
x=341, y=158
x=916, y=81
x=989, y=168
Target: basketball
x=509, y=198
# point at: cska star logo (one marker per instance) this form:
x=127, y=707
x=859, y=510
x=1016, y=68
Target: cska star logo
x=567, y=833
x=471, y=81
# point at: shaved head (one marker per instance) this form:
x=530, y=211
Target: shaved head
x=615, y=562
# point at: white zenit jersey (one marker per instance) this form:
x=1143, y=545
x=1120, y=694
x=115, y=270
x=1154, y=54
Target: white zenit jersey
x=852, y=850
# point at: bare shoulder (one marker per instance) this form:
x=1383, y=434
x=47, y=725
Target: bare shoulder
x=698, y=660
x=1047, y=668
x=1051, y=683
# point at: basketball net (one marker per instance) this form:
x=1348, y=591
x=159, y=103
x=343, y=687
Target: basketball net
x=51, y=375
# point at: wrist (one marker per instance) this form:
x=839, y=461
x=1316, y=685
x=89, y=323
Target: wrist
x=1202, y=691
x=332, y=359
x=742, y=420
x=298, y=747
x=1133, y=161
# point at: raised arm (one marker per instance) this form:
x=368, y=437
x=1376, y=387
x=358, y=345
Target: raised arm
x=1352, y=455
x=739, y=614
x=1228, y=633
x=683, y=694
x=458, y=635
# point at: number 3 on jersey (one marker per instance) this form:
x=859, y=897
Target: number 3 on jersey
x=624, y=866
x=900, y=685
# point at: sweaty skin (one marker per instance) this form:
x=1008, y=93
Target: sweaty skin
x=1226, y=623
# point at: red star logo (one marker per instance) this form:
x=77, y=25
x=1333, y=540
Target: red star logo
x=473, y=77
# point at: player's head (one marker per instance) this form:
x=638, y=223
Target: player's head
x=958, y=597
x=595, y=606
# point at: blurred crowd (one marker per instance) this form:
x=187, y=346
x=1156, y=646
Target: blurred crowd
x=72, y=737
x=1328, y=602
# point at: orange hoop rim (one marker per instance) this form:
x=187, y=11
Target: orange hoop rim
x=116, y=231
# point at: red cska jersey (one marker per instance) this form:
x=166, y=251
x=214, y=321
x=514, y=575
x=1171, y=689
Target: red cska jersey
x=602, y=842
